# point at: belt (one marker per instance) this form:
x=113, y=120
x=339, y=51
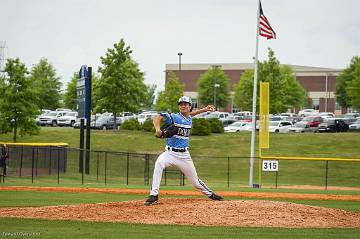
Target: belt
x=181, y=150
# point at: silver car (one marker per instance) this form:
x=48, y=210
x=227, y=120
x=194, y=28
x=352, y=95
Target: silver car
x=355, y=126
x=301, y=127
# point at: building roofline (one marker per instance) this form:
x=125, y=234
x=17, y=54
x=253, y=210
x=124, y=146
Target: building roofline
x=247, y=66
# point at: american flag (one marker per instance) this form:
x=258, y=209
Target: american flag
x=265, y=27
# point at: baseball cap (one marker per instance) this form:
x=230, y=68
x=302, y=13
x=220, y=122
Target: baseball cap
x=185, y=99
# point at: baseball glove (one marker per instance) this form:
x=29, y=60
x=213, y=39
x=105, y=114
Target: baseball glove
x=168, y=130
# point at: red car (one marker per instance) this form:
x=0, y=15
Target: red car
x=313, y=121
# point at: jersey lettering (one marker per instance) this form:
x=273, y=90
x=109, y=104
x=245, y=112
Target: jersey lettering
x=183, y=132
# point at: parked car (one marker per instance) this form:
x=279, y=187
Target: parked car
x=68, y=119
x=235, y=127
x=202, y=115
x=126, y=116
x=308, y=112
x=227, y=122
x=105, y=122
x=219, y=115
x=248, y=126
x=313, y=121
x=278, y=118
x=243, y=115
x=348, y=120
x=333, y=125
x=327, y=115
x=279, y=126
x=288, y=114
x=355, y=126
x=352, y=115
x=302, y=127
x=146, y=115
x=51, y=118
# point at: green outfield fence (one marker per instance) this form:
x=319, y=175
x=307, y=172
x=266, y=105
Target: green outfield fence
x=37, y=164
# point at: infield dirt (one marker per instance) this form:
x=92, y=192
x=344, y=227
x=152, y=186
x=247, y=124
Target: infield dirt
x=197, y=211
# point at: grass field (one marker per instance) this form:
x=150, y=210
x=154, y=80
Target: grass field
x=213, y=155
x=77, y=229
x=210, y=156
x=221, y=145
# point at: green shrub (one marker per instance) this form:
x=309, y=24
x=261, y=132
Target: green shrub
x=216, y=126
x=148, y=125
x=131, y=124
x=200, y=127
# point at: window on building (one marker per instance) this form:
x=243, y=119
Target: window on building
x=337, y=106
x=315, y=104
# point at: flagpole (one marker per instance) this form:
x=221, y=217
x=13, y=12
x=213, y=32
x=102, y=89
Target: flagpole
x=253, y=129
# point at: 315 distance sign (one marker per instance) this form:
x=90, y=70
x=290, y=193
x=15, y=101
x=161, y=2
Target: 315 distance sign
x=270, y=165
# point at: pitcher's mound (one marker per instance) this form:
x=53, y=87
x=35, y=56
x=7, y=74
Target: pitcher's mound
x=249, y=213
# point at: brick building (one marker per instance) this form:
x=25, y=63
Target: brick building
x=317, y=81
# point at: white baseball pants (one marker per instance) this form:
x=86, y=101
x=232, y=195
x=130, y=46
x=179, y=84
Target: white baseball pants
x=181, y=160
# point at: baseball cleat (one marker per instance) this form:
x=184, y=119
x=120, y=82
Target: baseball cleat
x=151, y=200
x=216, y=197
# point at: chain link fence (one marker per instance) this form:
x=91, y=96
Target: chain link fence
x=62, y=165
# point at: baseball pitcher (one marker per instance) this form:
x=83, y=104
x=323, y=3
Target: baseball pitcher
x=177, y=131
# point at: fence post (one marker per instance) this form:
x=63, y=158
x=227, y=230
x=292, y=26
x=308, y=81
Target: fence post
x=97, y=166
x=276, y=179
x=228, y=172
x=64, y=159
x=32, y=165
x=146, y=169
x=21, y=158
x=183, y=179
x=81, y=160
x=326, y=173
x=105, y=165
x=58, y=165
x=37, y=161
x=50, y=160
x=127, y=168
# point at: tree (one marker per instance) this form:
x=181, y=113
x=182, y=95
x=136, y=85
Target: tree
x=149, y=97
x=343, y=80
x=70, y=95
x=167, y=100
x=46, y=85
x=121, y=86
x=285, y=91
x=244, y=91
x=353, y=87
x=17, y=101
x=298, y=95
x=212, y=86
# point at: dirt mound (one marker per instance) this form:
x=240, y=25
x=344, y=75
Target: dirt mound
x=241, y=213
x=260, y=195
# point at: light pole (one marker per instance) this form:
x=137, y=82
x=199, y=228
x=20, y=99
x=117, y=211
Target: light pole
x=179, y=54
x=215, y=86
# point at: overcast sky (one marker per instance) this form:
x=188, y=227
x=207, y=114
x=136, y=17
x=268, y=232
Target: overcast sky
x=70, y=33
